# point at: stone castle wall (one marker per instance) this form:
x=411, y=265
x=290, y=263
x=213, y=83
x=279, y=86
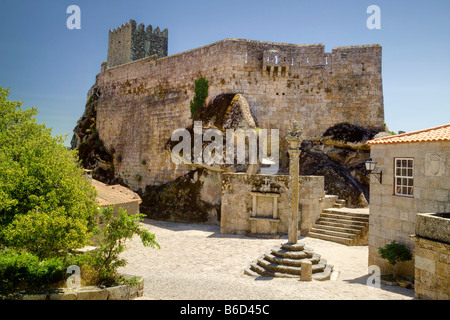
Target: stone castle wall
x=119, y=45
x=144, y=101
x=130, y=43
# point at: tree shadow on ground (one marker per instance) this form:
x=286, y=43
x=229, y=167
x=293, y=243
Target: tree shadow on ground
x=212, y=228
x=181, y=226
x=395, y=289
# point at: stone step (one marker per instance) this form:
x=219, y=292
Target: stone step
x=325, y=274
x=341, y=240
x=347, y=212
x=250, y=272
x=290, y=262
x=339, y=224
x=256, y=268
x=355, y=223
x=296, y=255
x=332, y=196
x=341, y=228
x=339, y=203
x=334, y=233
x=285, y=261
x=278, y=268
x=293, y=247
x=344, y=216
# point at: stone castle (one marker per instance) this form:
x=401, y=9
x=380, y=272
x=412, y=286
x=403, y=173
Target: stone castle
x=142, y=95
x=128, y=43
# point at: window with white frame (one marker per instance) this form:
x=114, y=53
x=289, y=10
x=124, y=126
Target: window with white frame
x=404, y=177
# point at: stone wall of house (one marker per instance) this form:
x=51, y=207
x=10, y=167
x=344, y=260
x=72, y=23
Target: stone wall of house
x=432, y=269
x=143, y=102
x=393, y=218
x=432, y=256
x=237, y=202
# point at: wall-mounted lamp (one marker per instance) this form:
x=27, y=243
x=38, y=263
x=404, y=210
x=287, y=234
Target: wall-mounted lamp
x=371, y=166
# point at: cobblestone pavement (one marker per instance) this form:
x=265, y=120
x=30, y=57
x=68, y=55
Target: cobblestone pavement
x=197, y=262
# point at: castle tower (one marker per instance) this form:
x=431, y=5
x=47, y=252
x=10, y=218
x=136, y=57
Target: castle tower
x=130, y=43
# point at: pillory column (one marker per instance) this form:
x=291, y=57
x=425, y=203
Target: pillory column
x=294, y=138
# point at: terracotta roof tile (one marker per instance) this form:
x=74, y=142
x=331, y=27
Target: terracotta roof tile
x=440, y=133
x=113, y=195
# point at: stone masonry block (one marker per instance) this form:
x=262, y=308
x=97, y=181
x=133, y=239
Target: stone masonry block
x=425, y=264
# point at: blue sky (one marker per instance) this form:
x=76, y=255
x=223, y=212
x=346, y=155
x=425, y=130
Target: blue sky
x=50, y=67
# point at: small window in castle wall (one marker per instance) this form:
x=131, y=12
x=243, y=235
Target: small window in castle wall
x=275, y=71
x=283, y=71
x=404, y=177
x=343, y=56
x=246, y=58
x=268, y=70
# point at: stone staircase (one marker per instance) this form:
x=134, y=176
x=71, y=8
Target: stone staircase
x=285, y=261
x=343, y=225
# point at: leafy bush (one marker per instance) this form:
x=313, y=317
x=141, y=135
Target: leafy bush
x=21, y=270
x=395, y=252
x=46, y=206
x=118, y=228
x=200, y=94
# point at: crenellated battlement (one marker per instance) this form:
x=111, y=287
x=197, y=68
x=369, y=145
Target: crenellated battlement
x=130, y=42
x=277, y=62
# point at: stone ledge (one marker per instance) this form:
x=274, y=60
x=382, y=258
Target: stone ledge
x=433, y=226
x=117, y=292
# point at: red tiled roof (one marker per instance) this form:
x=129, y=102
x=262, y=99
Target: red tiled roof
x=440, y=133
x=113, y=195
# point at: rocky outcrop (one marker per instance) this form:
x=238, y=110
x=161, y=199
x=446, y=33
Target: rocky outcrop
x=86, y=141
x=340, y=156
x=194, y=197
x=226, y=111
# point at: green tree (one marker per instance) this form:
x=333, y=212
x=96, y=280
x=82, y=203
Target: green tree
x=46, y=205
x=201, y=88
x=116, y=230
x=394, y=253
